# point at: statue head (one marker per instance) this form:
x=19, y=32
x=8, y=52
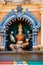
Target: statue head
x=20, y=28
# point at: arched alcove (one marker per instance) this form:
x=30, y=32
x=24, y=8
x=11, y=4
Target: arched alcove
x=13, y=26
x=26, y=16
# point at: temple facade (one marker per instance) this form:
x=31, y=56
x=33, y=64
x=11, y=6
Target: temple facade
x=21, y=32
x=33, y=9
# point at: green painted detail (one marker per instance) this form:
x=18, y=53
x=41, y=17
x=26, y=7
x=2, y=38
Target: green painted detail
x=34, y=63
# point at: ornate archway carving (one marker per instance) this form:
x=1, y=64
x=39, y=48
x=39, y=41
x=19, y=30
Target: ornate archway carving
x=26, y=15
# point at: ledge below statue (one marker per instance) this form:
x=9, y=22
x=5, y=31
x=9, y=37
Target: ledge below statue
x=25, y=55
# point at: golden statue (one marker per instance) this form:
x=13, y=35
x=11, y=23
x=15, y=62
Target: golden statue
x=20, y=44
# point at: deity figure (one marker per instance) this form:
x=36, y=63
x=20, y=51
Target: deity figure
x=20, y=41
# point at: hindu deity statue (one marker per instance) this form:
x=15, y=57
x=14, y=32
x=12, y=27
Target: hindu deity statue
x=21, y=42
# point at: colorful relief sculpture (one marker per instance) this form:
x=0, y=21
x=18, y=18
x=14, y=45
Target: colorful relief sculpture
x=21, y=42
x=23, y=25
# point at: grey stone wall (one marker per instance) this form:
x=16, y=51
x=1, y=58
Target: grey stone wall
x=27, y=55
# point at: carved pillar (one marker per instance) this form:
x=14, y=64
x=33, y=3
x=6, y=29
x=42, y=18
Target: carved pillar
x=2, y=46
x=41, y=11
x=42, y=28
x=3, y=38
x=34, y=37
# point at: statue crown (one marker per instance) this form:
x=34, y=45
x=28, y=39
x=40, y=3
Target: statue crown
x=20, y=25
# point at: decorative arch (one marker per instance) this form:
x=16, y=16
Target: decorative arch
x=20, y=14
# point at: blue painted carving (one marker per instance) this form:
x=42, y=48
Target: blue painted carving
x=25, y=15
x=34, y=20
x=7, y=18
x=19, y=9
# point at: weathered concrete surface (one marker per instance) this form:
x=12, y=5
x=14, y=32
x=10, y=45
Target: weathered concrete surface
x=25, y=55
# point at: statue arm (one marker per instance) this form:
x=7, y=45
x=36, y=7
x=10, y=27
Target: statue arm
x=12, y=38
x=26, y=43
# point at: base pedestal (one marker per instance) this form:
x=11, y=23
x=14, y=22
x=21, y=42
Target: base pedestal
x=25, y=55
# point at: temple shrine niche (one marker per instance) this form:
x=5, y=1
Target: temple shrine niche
x=19, y=30
x=19, y=35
